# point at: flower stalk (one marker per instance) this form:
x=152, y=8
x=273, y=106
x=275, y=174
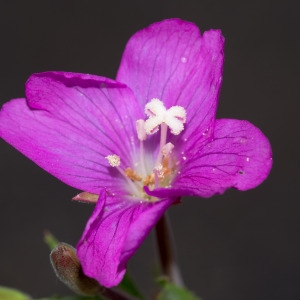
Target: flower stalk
x=166, y=249
x=114, y=295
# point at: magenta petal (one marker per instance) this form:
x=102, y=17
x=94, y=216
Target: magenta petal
x=170, y=60
x=239, y=156
x=113, y=233
x=68, y=125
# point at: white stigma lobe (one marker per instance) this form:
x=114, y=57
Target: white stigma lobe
x=157, y=114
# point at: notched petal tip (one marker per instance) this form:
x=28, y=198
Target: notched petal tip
x=239, y=156
x=249, y=151
x=40, y=86
x=256, y=158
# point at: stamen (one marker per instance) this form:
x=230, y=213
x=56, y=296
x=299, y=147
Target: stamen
x=132, y=175
x=163, y=140
x=158, y=117
x=140, y=129
x=158, y=174
x=167, y=149
x=141, y=133
x=114, y=160
x=149, y=179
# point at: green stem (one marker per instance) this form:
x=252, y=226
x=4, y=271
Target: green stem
x=114, y=295
x=166, y=251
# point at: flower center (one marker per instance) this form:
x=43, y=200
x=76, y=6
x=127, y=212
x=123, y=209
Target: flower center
x=159, y=172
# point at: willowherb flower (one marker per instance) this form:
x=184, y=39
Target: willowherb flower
x=136, y=144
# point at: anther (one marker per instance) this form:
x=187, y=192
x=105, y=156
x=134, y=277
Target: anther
x=132, y=175
x=140, y=129
x=114, y=160
x=167, y=149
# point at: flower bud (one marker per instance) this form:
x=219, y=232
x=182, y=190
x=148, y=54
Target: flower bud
x=68, y=269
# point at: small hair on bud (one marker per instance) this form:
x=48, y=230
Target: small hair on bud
x=68, y=269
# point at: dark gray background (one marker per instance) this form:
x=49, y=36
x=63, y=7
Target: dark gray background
x=238, y=246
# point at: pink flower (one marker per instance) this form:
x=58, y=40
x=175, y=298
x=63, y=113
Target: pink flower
x=137, y=144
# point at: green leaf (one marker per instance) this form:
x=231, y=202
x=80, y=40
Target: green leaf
x=12, y=294
x=173, y=292
x=72, y=298
x=127, y=285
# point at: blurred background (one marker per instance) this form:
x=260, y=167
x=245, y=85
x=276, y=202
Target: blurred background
x=241, y=245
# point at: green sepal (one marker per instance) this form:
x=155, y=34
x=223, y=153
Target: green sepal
x=50, y=240
x=12, y=294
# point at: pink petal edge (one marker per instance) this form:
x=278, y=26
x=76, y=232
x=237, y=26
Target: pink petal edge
x=67, y=131
x=238, y=156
